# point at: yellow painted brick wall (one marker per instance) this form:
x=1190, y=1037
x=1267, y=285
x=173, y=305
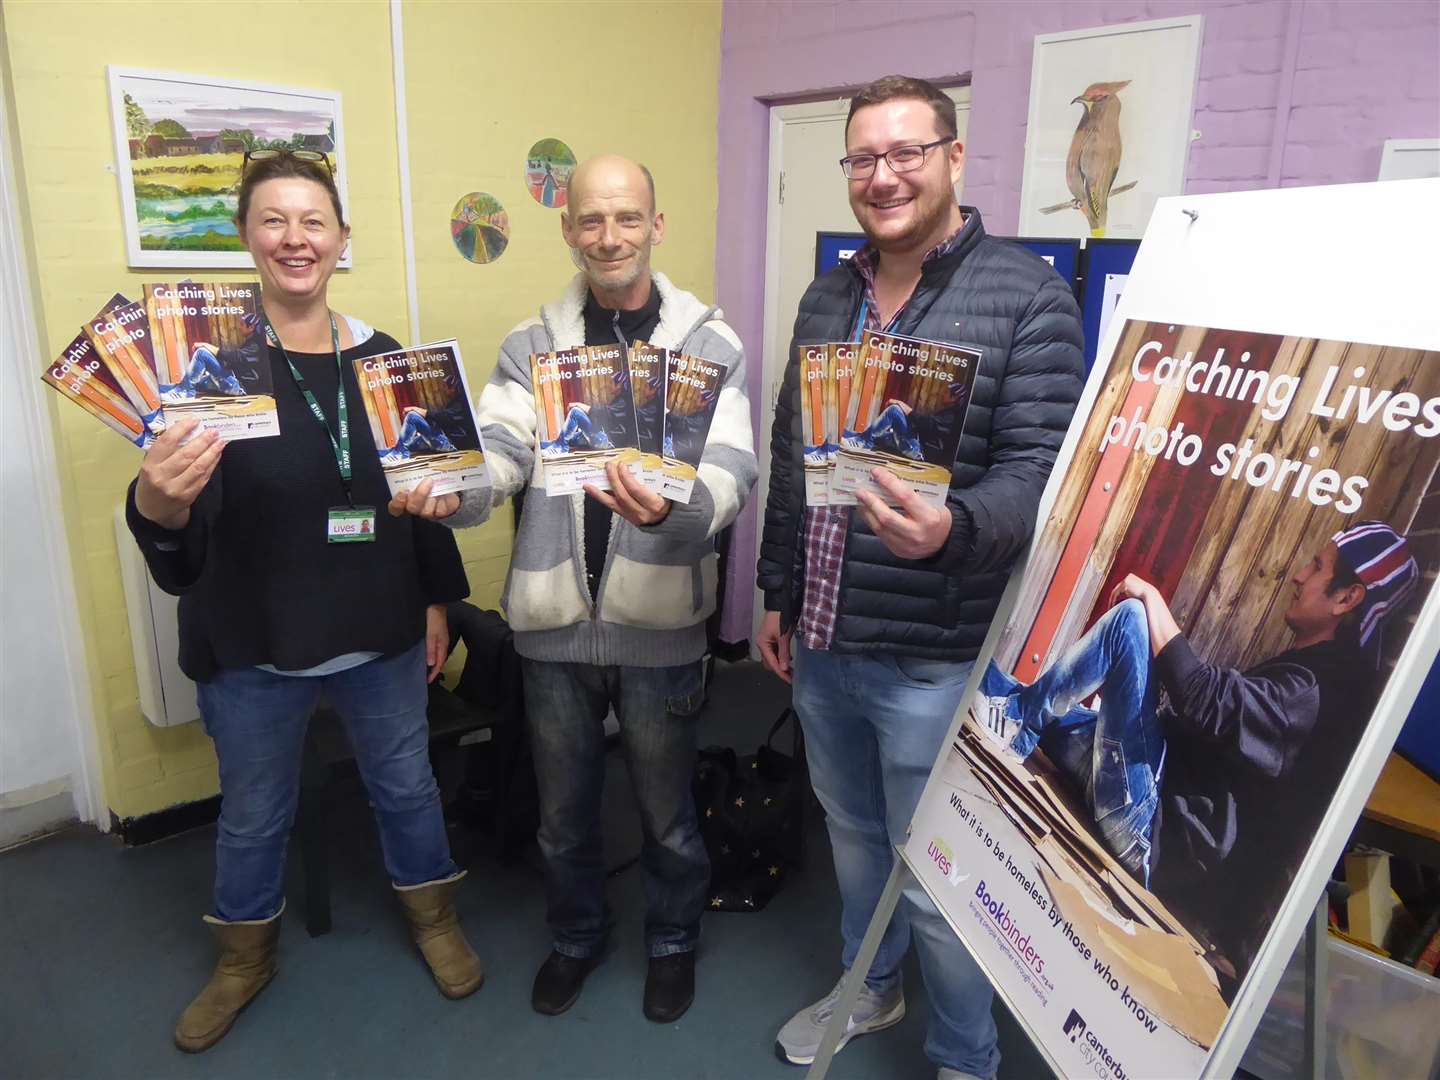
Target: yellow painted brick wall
x=57, y=53
x=485, y=82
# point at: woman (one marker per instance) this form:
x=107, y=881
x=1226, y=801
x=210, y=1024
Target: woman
x=274, y=614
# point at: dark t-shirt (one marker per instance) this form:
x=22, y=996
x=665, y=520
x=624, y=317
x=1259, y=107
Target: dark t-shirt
x=604, y=326
x=258, y=580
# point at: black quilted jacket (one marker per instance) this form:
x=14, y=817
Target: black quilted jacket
x=993, y=296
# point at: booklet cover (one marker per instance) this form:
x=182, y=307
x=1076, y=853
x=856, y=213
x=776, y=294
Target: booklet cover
x=82, y=376
x=692, y=391
x=817, y=434
x=418, y=405
x=120, y=336
x=906, y=413
x=648, y=367
x=211, y=360
x=585, y=414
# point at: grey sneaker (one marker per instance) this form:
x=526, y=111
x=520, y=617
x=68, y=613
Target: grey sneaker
x=799, y=1040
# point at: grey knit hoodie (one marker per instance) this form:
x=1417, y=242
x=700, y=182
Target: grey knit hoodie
x=658, y=584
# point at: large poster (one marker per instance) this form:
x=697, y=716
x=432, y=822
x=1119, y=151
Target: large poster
x=1233, y=563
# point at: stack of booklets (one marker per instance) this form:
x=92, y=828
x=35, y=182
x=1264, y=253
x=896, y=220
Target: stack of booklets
x=894, y=402
x=647, y=408
x=187, y=350
x=197, y=351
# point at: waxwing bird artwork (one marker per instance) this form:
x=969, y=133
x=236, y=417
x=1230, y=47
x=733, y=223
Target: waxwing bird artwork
x=1094, y=158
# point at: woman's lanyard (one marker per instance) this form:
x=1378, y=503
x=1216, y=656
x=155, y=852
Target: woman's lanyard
x=341, y=446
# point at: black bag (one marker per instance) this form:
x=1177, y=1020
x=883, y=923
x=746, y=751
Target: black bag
x=751, y=814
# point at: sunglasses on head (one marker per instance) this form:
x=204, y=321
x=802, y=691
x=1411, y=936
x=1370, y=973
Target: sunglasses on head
x=312, y=156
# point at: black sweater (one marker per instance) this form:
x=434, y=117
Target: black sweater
x=1253, y=760
x=257, y=579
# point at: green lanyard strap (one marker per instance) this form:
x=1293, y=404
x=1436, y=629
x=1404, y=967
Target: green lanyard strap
x=341, y=446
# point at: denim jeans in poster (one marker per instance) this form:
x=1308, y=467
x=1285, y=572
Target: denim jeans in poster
x=873, y=728
x=1114, y=755
x=257, y=720
x=658, y=709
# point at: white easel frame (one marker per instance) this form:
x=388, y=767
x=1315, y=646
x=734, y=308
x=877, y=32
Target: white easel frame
x=1260, y=250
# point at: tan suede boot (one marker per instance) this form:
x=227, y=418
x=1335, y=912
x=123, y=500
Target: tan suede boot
x=436, y=929
x=247, y=963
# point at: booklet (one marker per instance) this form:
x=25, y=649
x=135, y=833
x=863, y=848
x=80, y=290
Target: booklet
x=906, y=411
x=648, y=367
x=120, y=336
x=585, y=414
x=692, y=392
x=817, y=434
x=418, y=405
x=82, y=376
x=211, y=360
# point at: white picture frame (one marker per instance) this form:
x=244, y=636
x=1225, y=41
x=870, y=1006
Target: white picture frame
x=1409, y=159
x=173, y=207
x=1139, y=81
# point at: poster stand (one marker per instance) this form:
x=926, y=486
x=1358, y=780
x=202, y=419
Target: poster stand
x=1254, y=261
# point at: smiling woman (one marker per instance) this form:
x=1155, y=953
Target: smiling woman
x=273, y=614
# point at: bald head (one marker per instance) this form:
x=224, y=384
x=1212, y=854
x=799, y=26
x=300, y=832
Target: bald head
x=609, y=171
x=610, y=223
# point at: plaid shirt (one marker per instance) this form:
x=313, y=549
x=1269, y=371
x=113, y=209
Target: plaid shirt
x=826, y=526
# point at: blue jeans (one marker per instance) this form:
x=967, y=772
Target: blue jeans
x=658, y=710
x=258, y=720
x=873, y=728
x=1114, y=755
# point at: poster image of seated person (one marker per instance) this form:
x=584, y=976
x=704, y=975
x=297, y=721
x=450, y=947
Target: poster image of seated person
x=578, y=432
x=1207, y=783
x=898, y=429
x=220, y=370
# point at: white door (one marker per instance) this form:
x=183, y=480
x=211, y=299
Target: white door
x=48, y=767
x=808, y=194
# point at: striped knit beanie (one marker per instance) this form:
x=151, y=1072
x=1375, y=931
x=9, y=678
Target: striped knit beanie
x=1380, y=557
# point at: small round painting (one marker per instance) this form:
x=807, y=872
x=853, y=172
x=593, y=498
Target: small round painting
x=480, y=227
x=547, y=171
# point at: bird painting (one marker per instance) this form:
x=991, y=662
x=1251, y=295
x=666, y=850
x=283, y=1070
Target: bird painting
x=1094, y=158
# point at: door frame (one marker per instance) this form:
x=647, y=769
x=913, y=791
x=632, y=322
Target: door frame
x=22, y=343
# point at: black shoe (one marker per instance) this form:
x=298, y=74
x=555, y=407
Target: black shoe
x=669, y=987
x=558, y=982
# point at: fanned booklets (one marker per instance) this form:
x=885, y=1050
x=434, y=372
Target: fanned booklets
x=906, y=410
x=584, y=414
x=82, y=374
x=648, y=367
x=210, y=356
x=692, y=392
x=826, y=372
x=418, y=405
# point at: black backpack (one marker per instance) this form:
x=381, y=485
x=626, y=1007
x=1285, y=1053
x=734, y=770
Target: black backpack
x=751, y=812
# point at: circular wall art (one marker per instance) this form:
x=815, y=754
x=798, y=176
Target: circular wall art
x=480, y=227
x=547, y=171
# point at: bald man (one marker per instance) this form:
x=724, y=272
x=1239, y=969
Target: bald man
x=609, y=592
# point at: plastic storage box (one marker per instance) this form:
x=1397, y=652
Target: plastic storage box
x=1382, y=1021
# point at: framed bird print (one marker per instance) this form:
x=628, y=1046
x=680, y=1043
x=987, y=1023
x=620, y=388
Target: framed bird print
x=1109, y=126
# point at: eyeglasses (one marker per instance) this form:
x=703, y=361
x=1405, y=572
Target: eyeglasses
x=901, y=159
x=270, y=154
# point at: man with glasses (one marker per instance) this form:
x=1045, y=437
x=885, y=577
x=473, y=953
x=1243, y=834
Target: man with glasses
x=876, y=615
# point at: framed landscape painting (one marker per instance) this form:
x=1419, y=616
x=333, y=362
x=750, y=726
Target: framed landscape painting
x=180, y=143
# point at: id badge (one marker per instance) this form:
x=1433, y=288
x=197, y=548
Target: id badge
x=350, y=524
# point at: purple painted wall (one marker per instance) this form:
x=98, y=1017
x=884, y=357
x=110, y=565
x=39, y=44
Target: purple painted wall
x=1291, y=92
